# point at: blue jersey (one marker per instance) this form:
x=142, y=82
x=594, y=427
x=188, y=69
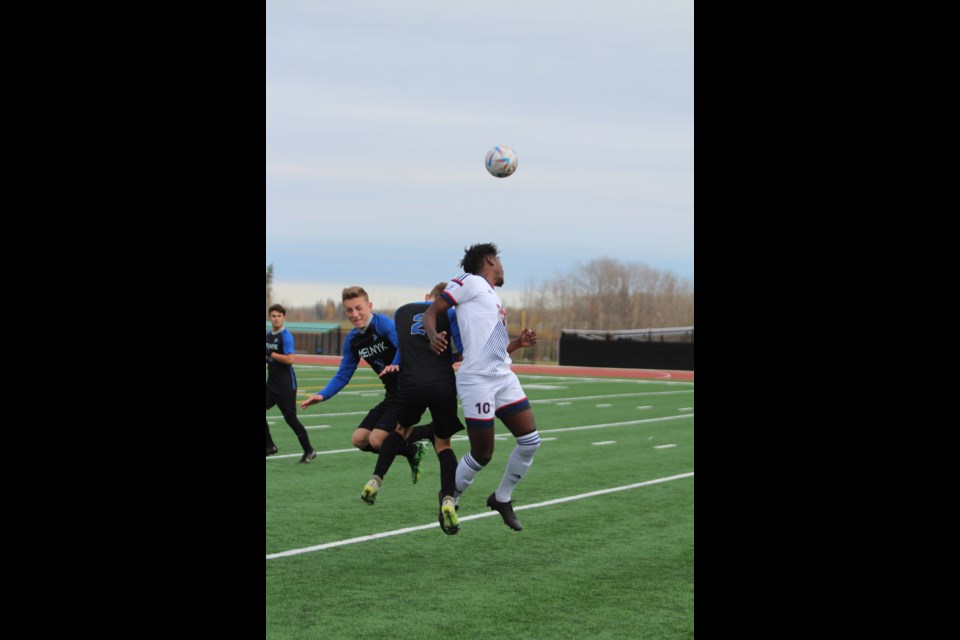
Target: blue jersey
x=282, y=377
x=376, y=345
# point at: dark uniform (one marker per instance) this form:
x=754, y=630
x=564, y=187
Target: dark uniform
x=427, y=379
x=282, y=388
x=377, y=346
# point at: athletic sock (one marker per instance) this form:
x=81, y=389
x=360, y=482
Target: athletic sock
x=305, y=442
x=467, y=470
x=421, y=432
x=448, y=472
x=391, y=446
x=517, y=466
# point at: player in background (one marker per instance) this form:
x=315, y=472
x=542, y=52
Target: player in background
x=487, y=386
x=282, y=382
x=426, y=381
x=373, y=339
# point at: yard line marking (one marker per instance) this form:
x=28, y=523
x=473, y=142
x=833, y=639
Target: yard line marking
x=685, y=409
x=319, y=453
x=615, y=395
x=503, y=436
x=648, y=406
x=600, y=444
x=600, y=406
x=564, y=404
x=614, y=424
x=665, y=446
x=422, y=527
x=319, y=426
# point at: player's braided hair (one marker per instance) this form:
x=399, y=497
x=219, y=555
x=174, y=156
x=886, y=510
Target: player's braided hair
x=473, y=258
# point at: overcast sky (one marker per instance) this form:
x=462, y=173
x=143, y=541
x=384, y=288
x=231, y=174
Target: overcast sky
x=380, y=113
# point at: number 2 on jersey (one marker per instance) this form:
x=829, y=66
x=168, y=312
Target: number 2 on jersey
x=417, y=326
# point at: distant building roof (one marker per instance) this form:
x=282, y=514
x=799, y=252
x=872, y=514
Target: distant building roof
x=309, y=327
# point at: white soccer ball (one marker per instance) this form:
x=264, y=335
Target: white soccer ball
x=501, y=161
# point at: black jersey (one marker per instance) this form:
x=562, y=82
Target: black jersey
x=419, y=365
x=376, y=346
x=281, y=376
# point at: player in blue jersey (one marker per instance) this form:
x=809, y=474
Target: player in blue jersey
x=374, y=340
x=426, y=381
x=282, y=382
x=487, y=386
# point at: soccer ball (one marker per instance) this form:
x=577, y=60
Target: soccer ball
x=501, y=161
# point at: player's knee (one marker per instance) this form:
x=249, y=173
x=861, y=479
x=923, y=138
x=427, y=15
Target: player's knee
x=377, y=437
x=360, y=440
x=483, y=458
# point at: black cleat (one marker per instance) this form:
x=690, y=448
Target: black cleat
x=272, y=450
x=307, y=456
x=506, y=512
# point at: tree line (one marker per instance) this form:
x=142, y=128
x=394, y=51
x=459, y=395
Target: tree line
x=601, y=294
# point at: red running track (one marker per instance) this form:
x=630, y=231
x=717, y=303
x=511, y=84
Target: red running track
x=603, y=372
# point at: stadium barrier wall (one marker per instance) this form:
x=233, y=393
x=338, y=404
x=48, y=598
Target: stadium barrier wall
x=624, y=353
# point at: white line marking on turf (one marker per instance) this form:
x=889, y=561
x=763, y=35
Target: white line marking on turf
x=665, y=446
x=319, y=426
x=685, y=409
x=397, y=532
x=600, y=444
x=319, y=453
x=504, y=436
x=564, y=404
x=614, y=395
x=600, y=406
x=648, y=406
x=614, y=424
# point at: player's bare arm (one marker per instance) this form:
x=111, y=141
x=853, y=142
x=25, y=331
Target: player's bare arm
x=528, y=338
x=282, y=358
x=438, y=341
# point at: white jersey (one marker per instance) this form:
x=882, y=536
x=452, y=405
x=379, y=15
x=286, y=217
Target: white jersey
x=483, y=325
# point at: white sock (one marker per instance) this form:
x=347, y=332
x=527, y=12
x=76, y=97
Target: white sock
x=517, y=466
x=467, y=470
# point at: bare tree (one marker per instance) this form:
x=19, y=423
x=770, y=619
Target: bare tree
x=269, y=284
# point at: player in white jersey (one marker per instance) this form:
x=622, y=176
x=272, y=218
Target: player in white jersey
x=487, y=386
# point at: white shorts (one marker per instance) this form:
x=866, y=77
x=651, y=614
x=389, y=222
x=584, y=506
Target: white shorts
x=486, y=397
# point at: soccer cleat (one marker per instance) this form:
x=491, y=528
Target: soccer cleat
x=307, y=456
x=415, y=460
x=370, y=490
x=272, y=450
x=448, y=517
x=506, y=512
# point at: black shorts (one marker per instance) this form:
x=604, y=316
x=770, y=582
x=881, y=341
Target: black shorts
x=383, y=416
x=286, y=400
x=442, y=402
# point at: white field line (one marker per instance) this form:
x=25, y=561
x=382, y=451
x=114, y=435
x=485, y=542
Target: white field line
x=319, y=426
x=504, y=436
x=397, y=532
x=615, y=395
x=614, y=424
x=600, y=444
x=665, y=446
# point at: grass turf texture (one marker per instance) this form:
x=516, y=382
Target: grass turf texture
x=618, y=565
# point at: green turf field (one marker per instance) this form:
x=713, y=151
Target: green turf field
x=617, y=564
